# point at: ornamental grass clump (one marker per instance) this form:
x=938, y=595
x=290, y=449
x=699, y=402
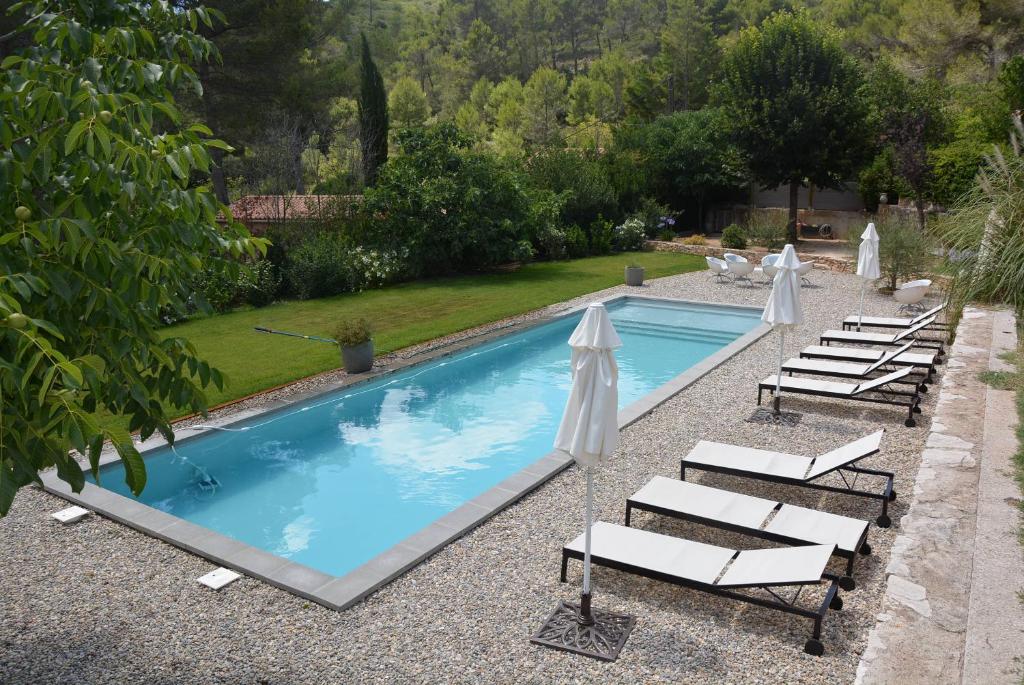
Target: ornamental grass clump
x=353, y=332
x=983, y=235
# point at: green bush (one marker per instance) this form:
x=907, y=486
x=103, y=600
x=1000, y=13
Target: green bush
x=583, y=180
x=904, y=251
x=450, y=208
x=259, y=283
x=667, y=236
x=762, y=230
x=575, y=242
x=734, y=238
x=353, y=332
x=880, y=177
x=630, y=235
x=602, y=236
x=319, y=267
x=656, y=216
x=217, y=288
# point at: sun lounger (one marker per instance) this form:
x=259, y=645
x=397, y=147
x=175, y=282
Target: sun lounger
x=791, y=469
x=862, y=338
x=852, y=322
x=763, y=518
x=717, y=570
x=916, y=360
x=861, y=371
x=881, y=390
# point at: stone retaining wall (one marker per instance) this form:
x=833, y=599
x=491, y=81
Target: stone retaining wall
x=820, y=261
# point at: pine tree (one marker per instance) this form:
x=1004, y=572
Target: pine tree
x=373, y=115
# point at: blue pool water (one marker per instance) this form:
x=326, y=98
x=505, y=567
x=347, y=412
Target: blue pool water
x=334, y=481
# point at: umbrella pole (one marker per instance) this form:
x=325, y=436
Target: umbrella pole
x=586, y=617
x=860, y=312
x=778, y=376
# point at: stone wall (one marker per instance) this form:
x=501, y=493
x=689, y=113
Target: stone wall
x=820, y=261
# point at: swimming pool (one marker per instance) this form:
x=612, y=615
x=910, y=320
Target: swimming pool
x=339, y=479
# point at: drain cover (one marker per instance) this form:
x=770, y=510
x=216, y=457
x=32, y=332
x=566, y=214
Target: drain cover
x=219, y=578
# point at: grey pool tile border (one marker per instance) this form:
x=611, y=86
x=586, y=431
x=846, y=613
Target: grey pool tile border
x=340, y=592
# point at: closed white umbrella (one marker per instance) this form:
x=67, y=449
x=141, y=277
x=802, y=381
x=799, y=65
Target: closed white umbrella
x=868, y=267
x=589, y=431
x=783, y=308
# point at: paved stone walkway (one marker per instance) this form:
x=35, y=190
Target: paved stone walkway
x=952, y=611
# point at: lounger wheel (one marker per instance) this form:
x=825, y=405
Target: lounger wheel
x=836, y=603
x=847, y=583
x=865, y=549
x=917, y=409
x=910, y=423
x=892, y=496
x=922, y=388
x=883, y=521
x=814, y=647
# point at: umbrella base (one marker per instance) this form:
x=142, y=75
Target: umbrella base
x=567, y=630
x=788, y=419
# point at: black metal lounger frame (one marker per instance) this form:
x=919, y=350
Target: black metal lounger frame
x=888, y=396
x=789, y=606
x=918, y=379
x=929, y=368
x=887, y=495
x=924, y=343
x=846, y=582
x=937, y=326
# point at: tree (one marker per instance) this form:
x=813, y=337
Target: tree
x=101, y=231
x=688, y=155
x=543, y=103
x=1011, y=78
x=907, y=117
x=373, y=115
x=590, y=99
x=263, y=71
x=792, y=95
x=689, y=54
x=407, y=103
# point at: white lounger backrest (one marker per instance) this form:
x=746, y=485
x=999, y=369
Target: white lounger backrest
x=777, y=566
x=847, y=454
x=886, y=358
x=881, y=380
x=921, y=317
x=914, y=329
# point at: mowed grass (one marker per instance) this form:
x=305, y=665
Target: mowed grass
x=402, y=315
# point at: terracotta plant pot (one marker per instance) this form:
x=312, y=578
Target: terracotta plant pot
x=634, y=275
x=358, y=358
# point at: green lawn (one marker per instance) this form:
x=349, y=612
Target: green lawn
x=402, y=315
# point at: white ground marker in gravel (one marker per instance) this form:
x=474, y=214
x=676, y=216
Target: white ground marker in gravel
x=71, y=514
x=219, y=578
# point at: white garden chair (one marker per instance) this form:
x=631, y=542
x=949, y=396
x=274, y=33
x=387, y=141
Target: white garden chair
x=909, y=295
x=768, y=267
x=719, y=269
x=803, y=270
x=739, y=267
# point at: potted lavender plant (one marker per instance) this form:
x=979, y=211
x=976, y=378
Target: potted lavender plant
x=355, y=337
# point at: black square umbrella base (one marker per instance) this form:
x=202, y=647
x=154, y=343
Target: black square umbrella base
x=602, y=639
x=768, y=417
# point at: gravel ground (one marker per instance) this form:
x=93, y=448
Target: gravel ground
x=97, y=602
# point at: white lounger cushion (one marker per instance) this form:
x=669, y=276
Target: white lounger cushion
x=746, y=511
x=749, y=459
x=778, y=566
x=868, y=386
x=889, y=356
x=877, y=338
x=703, y=563
x=892, y=321
x=869, y=355
x=812, y=385
x=826, y=367
x=850, y=452
x=821, y=527
x=781, y=464
x=705, y=502
x=655, y=552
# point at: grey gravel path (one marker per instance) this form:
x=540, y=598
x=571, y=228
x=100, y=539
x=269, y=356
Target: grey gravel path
x=99, y=603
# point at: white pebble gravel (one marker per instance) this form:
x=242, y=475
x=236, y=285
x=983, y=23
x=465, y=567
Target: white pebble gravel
x=96, y=602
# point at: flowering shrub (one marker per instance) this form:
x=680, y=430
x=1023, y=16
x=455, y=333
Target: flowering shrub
x=630, y=234
x=375, y=268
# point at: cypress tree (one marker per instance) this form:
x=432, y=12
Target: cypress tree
x=373, y=116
